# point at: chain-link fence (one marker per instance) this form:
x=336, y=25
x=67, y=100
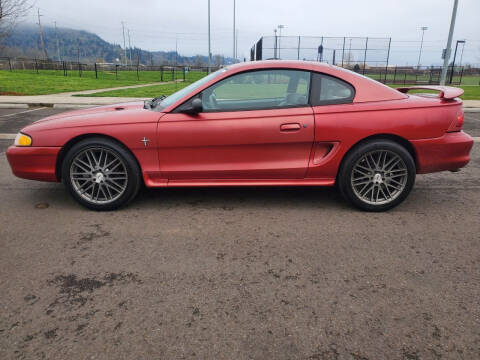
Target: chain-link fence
x=365, y=55
x=342, y=51
x=424, y=75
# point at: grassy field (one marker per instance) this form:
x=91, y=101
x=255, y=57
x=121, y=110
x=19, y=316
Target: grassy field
x=53, y=82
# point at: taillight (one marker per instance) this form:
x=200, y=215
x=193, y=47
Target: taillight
x=457, y=124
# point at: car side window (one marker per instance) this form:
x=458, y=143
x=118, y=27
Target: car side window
x=259, y=89
x=328, y=90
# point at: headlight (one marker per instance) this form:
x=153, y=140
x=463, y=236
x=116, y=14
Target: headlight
x=23, y=140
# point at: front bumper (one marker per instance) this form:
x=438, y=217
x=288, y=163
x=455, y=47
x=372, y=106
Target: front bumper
x=34, y=163
x=449, y=152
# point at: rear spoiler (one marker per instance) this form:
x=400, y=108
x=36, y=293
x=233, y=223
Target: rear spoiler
x=446, y=92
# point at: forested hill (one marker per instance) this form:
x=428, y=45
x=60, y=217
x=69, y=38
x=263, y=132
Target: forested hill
x=88, y=47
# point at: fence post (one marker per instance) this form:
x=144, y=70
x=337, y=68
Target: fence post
x=161, y=73
x=405, y=78
x=64, y=68
x=395, y=75
x=96, y=75
x=173, y=74
x=9, y=64
x=138, y=78
x=36, y=65
x=343, y=50
x=184, y=74
x=116, y=71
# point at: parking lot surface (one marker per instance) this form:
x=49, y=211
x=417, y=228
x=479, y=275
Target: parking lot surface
x=241, y=273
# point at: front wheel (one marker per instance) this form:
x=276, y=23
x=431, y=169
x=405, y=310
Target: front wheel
x=377, y=176
x=101, y=174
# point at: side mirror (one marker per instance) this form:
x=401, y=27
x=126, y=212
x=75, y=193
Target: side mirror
x=194, y=107
x=197, y=106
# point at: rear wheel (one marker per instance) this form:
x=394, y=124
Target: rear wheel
x=101, y=174
x=377, y=176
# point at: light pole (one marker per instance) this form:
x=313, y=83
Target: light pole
x=454, y=57
x=448, y=50
x=234, y=33
x=280, y=27
x=423, y=28
x=209, y=44
x=275, y=45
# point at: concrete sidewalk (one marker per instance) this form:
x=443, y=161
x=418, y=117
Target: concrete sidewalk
x=69, y=100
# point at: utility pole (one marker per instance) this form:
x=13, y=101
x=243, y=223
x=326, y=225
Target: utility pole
x=236, y=46
x=124, y=45
x=449, y=44
x=423, y=28
x=58, y=47
x=176, y=49
x=129, y=47
x=209, y=43
x=234, y=33
x=44, y=53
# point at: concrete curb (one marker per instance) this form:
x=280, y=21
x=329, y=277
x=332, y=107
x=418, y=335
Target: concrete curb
x=14, y=106
x=72, y=106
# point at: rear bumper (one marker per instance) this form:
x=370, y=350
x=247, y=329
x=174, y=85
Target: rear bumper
x=34, y=163
x=449, y=152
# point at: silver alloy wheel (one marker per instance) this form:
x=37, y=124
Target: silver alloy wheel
x=379, y=177
x=98, y=175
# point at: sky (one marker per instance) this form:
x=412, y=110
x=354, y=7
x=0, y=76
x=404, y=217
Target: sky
x=160, y=24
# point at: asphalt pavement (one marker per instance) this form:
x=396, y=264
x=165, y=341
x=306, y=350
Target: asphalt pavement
x=240, y=273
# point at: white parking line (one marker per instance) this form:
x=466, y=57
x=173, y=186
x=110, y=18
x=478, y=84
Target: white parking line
x=22, y=112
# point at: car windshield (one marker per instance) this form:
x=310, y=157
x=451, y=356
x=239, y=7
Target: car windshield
x=169, y=100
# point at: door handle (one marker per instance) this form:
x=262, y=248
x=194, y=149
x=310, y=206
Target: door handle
x=290, y=127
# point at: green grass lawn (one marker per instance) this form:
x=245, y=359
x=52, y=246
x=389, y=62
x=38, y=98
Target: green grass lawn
x=27, y=82
x=52, y=82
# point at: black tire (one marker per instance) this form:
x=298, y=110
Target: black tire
x=397, y=182
x=113, y=189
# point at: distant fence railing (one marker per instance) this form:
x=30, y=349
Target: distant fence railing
x=160, y=73
x=416, y=75
x=402, y=75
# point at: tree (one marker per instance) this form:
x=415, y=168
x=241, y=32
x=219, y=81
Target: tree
x=10, y=12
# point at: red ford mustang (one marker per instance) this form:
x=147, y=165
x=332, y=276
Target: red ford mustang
x=253, y=124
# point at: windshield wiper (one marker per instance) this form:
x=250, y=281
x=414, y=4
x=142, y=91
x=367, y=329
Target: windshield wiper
x=150, y=104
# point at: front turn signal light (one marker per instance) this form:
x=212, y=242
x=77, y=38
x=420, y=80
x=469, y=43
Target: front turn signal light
x=23, y=140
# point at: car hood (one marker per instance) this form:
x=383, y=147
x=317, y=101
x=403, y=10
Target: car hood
x=128, y=106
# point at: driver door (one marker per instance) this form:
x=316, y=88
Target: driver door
x=254, y=125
